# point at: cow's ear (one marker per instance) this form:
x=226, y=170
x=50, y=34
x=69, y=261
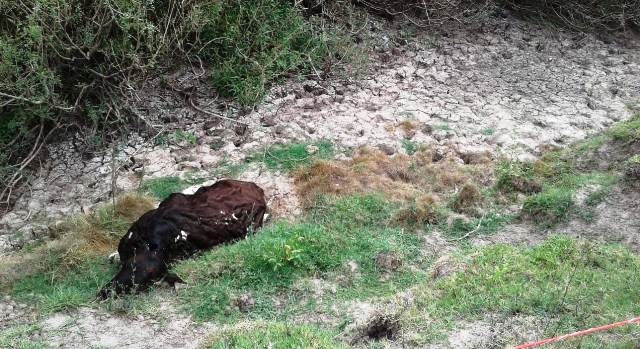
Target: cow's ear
x=173, y=279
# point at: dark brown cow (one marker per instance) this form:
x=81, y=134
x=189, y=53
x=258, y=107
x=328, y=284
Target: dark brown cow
x=181, y=226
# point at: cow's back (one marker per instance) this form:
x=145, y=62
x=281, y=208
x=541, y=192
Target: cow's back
x=222, y=212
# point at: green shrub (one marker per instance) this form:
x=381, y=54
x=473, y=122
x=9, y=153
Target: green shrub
x=550, y=206
x=252, y=43
x=627, y=130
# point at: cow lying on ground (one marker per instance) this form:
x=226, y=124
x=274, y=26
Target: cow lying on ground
x=181, y=226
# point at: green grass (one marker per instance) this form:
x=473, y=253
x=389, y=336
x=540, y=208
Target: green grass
x=550, y=206
x=274, y=335
x=57, y=289
x=291, y=156
x=409, y=146
x=270, y=262
x=489, y=131
x=626, y=131
x=573, y=284
x=16, y=337
x=162, y=187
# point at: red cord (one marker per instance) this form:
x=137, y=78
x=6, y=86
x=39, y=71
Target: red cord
x=577, y=334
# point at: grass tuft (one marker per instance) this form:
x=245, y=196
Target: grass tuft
x=162, y=187
x=273, y=335
x=549, y=207
x=292, y=156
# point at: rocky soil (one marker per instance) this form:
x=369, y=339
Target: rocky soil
x=508, y=87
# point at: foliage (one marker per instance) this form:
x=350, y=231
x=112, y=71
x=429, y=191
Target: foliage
x=253, y=43
x=162, y=187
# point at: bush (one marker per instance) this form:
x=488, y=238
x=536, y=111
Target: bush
x=252, y=43
x=584, y=15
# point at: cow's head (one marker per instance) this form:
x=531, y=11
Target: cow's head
x=137, y=274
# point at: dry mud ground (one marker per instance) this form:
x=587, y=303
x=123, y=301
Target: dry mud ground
x=507, y=87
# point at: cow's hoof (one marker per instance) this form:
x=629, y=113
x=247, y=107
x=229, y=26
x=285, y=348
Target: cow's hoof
x=114, y=257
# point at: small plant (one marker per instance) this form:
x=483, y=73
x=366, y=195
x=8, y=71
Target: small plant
x=422, y=211
x=410, y=147
x=626, y=131
x=632, y=167
x=550, y=206
x=489, y=131
x=290, y=157
x=162, y=187
x=180, y=136
x=287, y=253
x=516, y=176
x=466, y=200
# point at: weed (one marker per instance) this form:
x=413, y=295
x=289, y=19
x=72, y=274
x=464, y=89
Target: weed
x=276, y=335
x=516, y=176
x=180, y=136
x=421, y=211
x=458, y=227
x=410, y=147
x=17, y=337
x=626, y=131
x=292, y=156
x=489, y=131
x=467, y=198
x=162, y=187
x=550, y=206
x=632, y=167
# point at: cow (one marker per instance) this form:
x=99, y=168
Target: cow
x=181, y=226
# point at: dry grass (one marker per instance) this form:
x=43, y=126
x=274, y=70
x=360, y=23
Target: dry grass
x=77, y=239
x=401, y=178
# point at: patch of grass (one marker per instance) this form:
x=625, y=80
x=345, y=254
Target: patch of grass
x=270, y=262
x=573, y=284
x=549, y=207
x=57, y=289
x=516, y=176
x=273, y=335
x=489, y=131
x=68, y=271
x=410, y=147
x=162, y=187
x=16, y=337
x=626, y=131
x=292, y=156
x=442, y=127
x=180, y=136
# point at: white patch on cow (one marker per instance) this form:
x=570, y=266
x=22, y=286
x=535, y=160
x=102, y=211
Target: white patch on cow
x=234, y=216
x=183, y=236
x=130, y=234
x=114, y=257
x=221, y=212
